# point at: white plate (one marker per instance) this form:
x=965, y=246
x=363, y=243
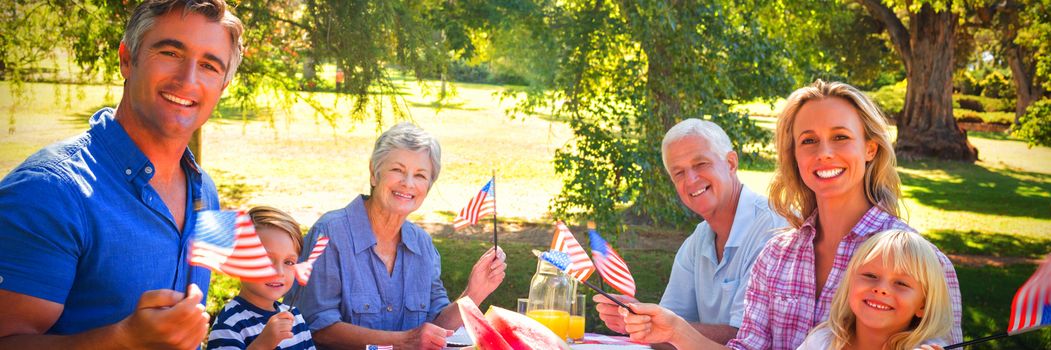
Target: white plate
x=459, y=339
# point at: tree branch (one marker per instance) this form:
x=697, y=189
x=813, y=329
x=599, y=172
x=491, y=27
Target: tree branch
x=271, y=15
x=899, y=35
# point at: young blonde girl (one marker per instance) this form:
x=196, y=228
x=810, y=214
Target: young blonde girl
x=895, y=265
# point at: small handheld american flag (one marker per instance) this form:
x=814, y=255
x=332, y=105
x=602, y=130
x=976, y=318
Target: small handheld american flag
x=580, y=266
x=1031, y=307
x=483, y=203
x=303, y=269
x=561, y=261
x=610, y=265
x=226, y=242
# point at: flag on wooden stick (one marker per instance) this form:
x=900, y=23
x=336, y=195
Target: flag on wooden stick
x=226, y=242
x=483, y=203
x=303, y=269
x=610, y=265
x=580, y=266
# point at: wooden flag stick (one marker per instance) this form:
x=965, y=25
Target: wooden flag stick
x=495, y=245
x=979, y=340
x=610, y=297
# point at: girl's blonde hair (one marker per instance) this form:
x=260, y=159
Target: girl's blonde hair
x=903, y=252
x=790, y=197
x=272, y=217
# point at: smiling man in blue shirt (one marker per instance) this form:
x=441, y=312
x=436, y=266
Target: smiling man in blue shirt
x=712, y=268
x=96, y=229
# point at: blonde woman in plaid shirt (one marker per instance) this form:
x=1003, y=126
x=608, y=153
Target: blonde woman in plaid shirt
x=836, y=185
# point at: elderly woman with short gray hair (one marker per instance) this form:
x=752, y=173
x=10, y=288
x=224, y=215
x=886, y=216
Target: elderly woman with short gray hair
x=379, y=281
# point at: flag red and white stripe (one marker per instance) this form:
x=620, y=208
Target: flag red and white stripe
x=1031, y=307
x=483, y=203
x=580, y=266
x=610, y=265
x=226, y=242
x=303, y=269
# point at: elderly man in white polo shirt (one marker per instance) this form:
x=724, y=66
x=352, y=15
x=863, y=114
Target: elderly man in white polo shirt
x=712, y=267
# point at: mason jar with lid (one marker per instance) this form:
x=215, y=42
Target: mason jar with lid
x=551, y=298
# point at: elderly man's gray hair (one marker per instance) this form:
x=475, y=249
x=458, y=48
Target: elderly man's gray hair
x=406, y=136
x=717, y=139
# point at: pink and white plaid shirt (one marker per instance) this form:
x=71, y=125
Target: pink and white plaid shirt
x=779, y=304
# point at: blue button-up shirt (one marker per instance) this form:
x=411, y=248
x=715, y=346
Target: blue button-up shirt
x=351, y=284
x=703, y=288
x=81, y=226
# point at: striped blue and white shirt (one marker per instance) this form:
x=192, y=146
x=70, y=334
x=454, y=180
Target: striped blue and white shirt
x=240, y=323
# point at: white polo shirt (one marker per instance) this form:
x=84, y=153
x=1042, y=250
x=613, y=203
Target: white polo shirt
x=702, y=288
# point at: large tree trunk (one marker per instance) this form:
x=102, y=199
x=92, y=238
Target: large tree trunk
x=926, y=127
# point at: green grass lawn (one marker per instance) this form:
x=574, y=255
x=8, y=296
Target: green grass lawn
x=999, y=206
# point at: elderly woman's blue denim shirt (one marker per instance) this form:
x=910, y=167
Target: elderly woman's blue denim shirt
x=350, y=283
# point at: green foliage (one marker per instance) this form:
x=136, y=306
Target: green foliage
x=1034, y=33
x=220, y=291
x=1035, y=125
x=283, y=38
x=987, y=104
x=832, y=40
x=890, y=98
x=995, y=84
x=629, y=71
x=1005, y=118
x=964, y=82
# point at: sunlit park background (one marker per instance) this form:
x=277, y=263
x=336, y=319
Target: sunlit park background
x=569, y=117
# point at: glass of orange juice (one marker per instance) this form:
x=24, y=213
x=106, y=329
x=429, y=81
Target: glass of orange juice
x=576, y=318
x=555, y=320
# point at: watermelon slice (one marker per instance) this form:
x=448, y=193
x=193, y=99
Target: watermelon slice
x=522, y=332
x=483, y=334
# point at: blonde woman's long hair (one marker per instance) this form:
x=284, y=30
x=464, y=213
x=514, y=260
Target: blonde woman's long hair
x=790, y=197
x=904, y=252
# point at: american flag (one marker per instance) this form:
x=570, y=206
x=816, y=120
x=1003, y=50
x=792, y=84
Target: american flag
x=1031, y=308
x=303, y=269
x=379, y=347
x=484, y=203
x=610, y=265
x=226, y=242
x=580, y=266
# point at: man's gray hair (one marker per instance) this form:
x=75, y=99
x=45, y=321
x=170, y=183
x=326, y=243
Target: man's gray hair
x=717, y=139
x=146, y=14
x=410, y=137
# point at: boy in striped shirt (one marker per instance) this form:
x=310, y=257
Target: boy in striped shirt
x=254, y=319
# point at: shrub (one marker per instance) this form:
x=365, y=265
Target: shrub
x=967, y=103
x=969, y=116
x=965, y=116
x=997, y=85
x=1035, y=125
x=964, y=82
x=890, y=98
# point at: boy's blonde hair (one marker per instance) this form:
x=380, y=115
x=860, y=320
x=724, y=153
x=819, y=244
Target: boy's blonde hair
x=790, y=197
x=903, y=252
x=264, y=216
